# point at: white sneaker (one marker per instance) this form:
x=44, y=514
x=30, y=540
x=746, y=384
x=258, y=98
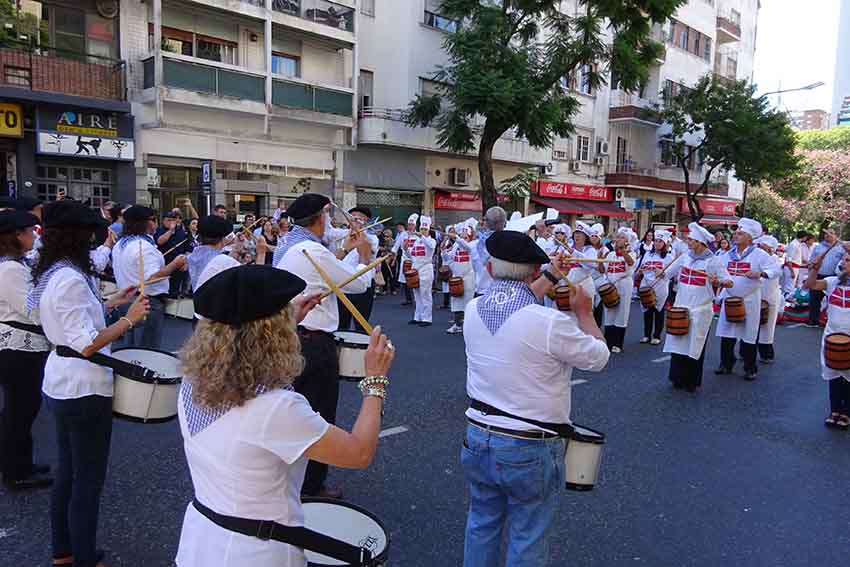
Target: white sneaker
x=644, y=340
x=454, y=329
x=655, y=342
x=616, y=349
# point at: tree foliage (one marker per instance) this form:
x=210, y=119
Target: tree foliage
x=726, y=128
x=507, y=61
x=837, y=138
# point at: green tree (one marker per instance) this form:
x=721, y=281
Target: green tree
x=723, y=126
x=507, y=61
x=518, y=187
x=837, y=138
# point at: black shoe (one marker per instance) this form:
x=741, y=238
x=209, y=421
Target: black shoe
x=413, y=322
x=424, y=323
x=31, y=483
x=677, y=386
x=405, y=303
x=691, y=388
x=722, y=370
x=750, y=375
x=40, y=469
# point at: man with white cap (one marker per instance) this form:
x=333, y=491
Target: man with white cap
x=772, y=294
x=697, y=273
x=457, y=256
x=620, y=273
x=402, y=241
x=747, y=264
x=656, y=276
x=495, y=220
x=420, y=250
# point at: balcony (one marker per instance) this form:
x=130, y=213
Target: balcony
x=630, y=106
x=388, y=127
x=661, y=178
x=725, y=68
x=62, y=72
x=325, y=17
x=729, y=27
x=312, y=98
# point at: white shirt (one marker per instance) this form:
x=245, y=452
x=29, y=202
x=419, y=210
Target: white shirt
x=17, y=281
x=249, y=463
x=216, y=266
x=100, y=257
x=325, y=316
x=72, y=315
x=526, y=367
x=794, y=252
x=125, y=264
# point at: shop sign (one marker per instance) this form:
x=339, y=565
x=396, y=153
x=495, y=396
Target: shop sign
x=710, y=206
x=574, y=191
x=460, y=200
x=11, y=120
x=59, y=144
x=84, y=133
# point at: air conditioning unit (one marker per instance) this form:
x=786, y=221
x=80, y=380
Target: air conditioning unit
x=619, y=195
x=575, y=166
x=549, y=170
x=561, y=155
x=459, y=176
x=600, y=160
x=603, y=147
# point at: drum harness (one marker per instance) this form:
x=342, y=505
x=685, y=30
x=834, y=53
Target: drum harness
x=128, y=369
x=564, y=430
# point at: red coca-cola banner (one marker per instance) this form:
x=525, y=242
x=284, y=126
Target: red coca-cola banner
x=710, y=206
x=460, y=200
x=574, y=191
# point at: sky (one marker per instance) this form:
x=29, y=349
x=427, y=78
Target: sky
x=795, y=46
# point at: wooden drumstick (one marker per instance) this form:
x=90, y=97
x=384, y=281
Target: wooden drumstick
x=175, y=247
x=364, y=229
x=353, y=277
x=588, y=260
x=658, y=279
x=341, y=296
x=148, y=282
x=141, y=269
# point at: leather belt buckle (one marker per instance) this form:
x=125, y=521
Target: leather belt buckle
x=265, y=530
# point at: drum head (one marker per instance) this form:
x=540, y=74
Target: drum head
x=345, y=522
x=352, y=339
x=838, y=339
x=588, y=435
x=165, y=364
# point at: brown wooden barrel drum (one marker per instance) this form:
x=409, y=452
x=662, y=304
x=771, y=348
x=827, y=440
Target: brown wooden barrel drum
x=444, y=274
x=562, y=297
x=456, y=286
x=735, y=310
x=678, y=319
x=406, y=266
x=765, y=312
x=609, y=294
x=836, y=351
x=412, y=279
x=647, y=297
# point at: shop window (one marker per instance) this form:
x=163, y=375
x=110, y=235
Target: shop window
x=88, y=184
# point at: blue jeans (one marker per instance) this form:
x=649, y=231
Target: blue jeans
x=148, y=333
x=514, y=485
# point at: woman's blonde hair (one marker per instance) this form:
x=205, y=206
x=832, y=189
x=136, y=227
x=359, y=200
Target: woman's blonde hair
x=226, y=364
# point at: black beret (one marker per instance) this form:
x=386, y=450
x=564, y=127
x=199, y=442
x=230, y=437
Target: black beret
x=306, y=205
x=138, y=213
x=362, y=210
x=10, y=221
x=25, y=204
x=515, y=247
x=70, y=214
x=213, y=226
x=246, y=293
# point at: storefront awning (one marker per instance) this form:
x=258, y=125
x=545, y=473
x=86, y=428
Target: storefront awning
x=578, y=207
x=719, y=219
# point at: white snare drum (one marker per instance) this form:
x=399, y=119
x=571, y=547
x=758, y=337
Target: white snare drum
x=351, y=348
x=183, y=308
x=583, y=458
x=349, y=523
x=151, y=401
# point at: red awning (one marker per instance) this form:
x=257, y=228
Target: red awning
x=578, y=207
x=719, y=219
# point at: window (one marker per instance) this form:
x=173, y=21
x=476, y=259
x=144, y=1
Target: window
x=583, y=148
x=731, y=68
x=80, y=183
x=214, y=49
x=435, y=20
x=622, y=150
x=584, y=85
x=174, y=41
x=68, y=30
x=706, y=49
x=667, y=156
x=286, y=65
x=365, y=87
x=683, y=37
x=367, y=7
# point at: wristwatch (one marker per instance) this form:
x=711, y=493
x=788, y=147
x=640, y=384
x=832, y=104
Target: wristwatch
x=552, y=278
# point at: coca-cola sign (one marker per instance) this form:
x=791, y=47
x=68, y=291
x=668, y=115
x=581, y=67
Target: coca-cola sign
x=574, y=191
x=711, y=206
x=460, y=200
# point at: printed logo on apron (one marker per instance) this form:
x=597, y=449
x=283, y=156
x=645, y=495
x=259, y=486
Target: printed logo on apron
x=617, y=268
x=739, y=268
x=840, y=297
x=461, y=256
x=690, y=277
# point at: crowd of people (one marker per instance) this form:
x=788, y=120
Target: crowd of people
x=533, y=298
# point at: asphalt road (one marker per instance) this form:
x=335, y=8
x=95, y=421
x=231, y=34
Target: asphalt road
x=739, y=474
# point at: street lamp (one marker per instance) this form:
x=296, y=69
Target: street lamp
x=806, y=88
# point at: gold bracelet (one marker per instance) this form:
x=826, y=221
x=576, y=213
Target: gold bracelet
x=370, y=381
x=128, y=321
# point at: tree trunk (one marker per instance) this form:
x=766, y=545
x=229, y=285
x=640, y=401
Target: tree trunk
x=693, y=203
x=744, y=201
x=485, y=172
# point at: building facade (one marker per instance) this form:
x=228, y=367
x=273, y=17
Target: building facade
x=705, y=36
x=67, y=126
x=245, y=103
x=810, y=119
x=841, y=82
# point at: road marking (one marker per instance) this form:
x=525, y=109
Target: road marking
x=662, y=359
x=393, y=431
x=6, y=532
x=577, y=382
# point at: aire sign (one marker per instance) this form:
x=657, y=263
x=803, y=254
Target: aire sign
x=574, y=191
x=711, y=206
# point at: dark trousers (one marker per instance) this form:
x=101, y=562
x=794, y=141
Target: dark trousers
x=766, y=352
x=652, y=318
x=446, y=298
x=615, y=336
x=21, y=375
x=839, y=396
x=178, y=282
x=363, y=302
x=685, y=371
x=408, y=293
x=727, y=354
x=598, y=312
x=83, y=433
x=319, y=383
x=815, y=301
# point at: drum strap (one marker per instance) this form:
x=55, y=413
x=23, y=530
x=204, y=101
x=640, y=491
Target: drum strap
x=34, y=329
x=564, y=430
x=299, y=536
x=133, y=371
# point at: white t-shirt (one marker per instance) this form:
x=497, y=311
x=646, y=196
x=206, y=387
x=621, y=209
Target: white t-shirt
x=249, y=463
x=216, y=266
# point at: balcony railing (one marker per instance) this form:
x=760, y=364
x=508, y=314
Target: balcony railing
x=728, y=27
x=320, y=11
x=624, y=105
x=663, y=177
x=308, y=97
x=59, y=71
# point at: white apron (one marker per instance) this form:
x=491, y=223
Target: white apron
x=756, y=260
x=581, y=273
x=621, y=275
x=772, y=293
x=837, y=300
x=653, y=261
x=459, y=260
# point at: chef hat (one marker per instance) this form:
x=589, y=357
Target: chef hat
x=698, y=232
x=597, y=230
x=471, y=222
x=425, y=222
x=412, y=219
x=516, y=215
x=629, y=234
x=663, y=235
x=583, y=227
x=751, y=227
x=564, y=228
x=769, y=241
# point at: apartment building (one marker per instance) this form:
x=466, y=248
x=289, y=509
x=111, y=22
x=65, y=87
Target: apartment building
x=397, y=169
x=240, y=102
x=67, y=127
x=705, y=36
x=814, y=119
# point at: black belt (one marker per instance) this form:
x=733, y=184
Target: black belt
x=132, y=371
x=564, y=430
x=300, y=536
x=523, y=434
x=34, y=329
